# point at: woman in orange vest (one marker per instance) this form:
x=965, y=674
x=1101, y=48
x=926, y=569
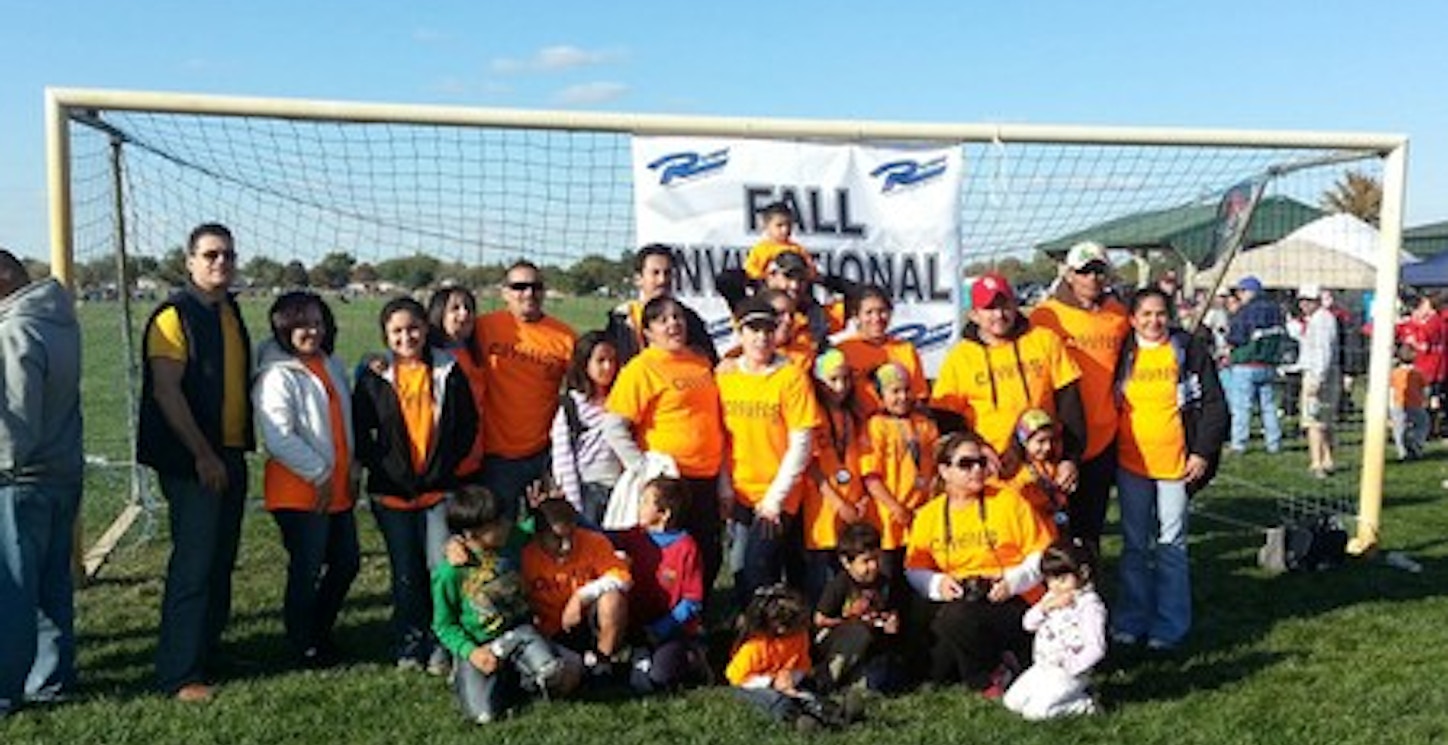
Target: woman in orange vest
x=310, y=483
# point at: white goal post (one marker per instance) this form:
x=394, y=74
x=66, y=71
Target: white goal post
x=69, y=108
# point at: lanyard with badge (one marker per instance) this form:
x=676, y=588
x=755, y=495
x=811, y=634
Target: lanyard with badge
x=906, y=427
x=840, y=443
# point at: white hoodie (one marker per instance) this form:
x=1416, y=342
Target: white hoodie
x=293, y=413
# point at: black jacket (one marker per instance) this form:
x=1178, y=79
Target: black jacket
x=1204, y=408
x=203, y=384
x=381, y=437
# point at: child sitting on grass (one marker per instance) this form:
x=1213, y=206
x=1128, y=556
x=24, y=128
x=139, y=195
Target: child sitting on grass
x=771, y=662
x=481, y=616
x=859, y=617
x=577, y=586
x=1070, y=627
x=667, y=597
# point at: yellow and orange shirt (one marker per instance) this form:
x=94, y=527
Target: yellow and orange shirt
x=978, y=539
x=551, y=581
x=760, y=410
x=1151, y=440
x=902, y=456
x=1093, y=339
x=756, y=263
x=840, y=444
x=1026, y=482
x=524, y=364
x=167, y=339
x=865, y=356
x=983, y=382
x=672, y=401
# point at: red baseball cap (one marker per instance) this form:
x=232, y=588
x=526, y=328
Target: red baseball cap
x=988, y=288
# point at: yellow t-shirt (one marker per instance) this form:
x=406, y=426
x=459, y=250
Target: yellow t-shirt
x=760, y=410
x=902, y=456
x=525, y=363
x=166, y=339
x=980, y=542
x=1150, y=440
x=1093, y=339
x=756, y=263
x=983, y=382
x=673, y=403
x=838, y=432
x=864, y=357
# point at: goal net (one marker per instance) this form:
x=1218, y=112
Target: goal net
x=406, y=197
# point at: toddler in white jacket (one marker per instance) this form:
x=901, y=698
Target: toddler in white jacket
x=1070, y=627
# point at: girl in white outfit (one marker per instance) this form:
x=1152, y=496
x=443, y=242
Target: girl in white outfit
x=1070, y=627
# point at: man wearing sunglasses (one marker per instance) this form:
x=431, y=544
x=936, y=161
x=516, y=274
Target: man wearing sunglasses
x=195, y=429
x=525, y=354
x=1093, y=323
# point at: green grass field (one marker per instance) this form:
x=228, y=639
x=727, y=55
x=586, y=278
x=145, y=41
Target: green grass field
x=1347, y=656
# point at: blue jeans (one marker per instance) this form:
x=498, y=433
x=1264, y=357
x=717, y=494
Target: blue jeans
x=508, y=478
x=205, y=533
x=764, y=553
x=37, y=648
x=1156, y=582
x=322, y=560
x=1249, y=384
x=415, y=540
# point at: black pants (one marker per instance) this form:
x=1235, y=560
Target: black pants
x=970, y=638
x=701, y=519
x=1087, y=506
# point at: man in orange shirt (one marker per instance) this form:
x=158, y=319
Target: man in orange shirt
x=525, y=354
x=1092, y=323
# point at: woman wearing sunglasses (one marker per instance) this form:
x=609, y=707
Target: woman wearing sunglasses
x=974, y=552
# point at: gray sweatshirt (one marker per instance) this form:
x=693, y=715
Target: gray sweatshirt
x=40, y=423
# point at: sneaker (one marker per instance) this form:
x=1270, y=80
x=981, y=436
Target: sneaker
x=1160, y=645
x=439, y=663
x=1000, y=681
x=1125, y=638
x=409, y=664
x=485, y=718
x=194, y=693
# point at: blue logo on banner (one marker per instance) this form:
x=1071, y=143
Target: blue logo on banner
x=688, y=165
x=901, y=173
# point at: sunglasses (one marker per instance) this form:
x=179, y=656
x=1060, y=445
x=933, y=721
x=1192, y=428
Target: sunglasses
x=214, y=256
x=967, y=462
x=525, y=286
x=1093, y=268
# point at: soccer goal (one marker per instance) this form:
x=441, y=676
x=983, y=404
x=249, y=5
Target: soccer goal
x=298, y=180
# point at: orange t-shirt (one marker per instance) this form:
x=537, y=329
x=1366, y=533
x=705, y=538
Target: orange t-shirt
x=477, y=386
x=838, y=433
x=551, y=581
x=760, y=410
x=978, y=541
x=865, y=356
x=1407, y=386
x=1150, y=441
x=983, y=383
x=762, y=655
x=902, y=456
x=525, y=366
x=1093, y=338
x=1029, y=486
x=673, y=403
x=285, y=490
x=413, y=383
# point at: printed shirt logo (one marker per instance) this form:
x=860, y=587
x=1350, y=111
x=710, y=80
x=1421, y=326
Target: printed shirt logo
x=686, y=166
x=898, y=174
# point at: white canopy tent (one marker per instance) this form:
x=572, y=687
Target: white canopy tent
x=1336, y=251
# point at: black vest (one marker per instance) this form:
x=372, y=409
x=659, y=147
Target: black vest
x=203, y=384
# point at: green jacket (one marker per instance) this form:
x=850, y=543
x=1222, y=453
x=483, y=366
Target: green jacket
x=475, y=603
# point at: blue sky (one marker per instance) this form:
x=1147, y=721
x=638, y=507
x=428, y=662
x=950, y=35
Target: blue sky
x=1328, y=65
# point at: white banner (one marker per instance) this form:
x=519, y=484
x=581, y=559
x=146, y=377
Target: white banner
x=882, y=215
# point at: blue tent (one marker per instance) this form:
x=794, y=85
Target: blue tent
x=1427, y=273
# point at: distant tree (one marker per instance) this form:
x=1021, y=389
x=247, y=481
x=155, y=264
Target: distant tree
x=364, y=273
x=262, y=271
x=295, y=275
x=481, y=277
x=333, y=271
x=413, y=272
x=172, y=268
x=1357, y=194
x=593, y=272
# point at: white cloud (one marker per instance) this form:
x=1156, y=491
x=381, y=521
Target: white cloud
x=554, y=59
x=587, y=94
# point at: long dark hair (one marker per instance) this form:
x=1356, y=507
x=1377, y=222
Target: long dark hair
x=437, y=308
x=576, y=378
